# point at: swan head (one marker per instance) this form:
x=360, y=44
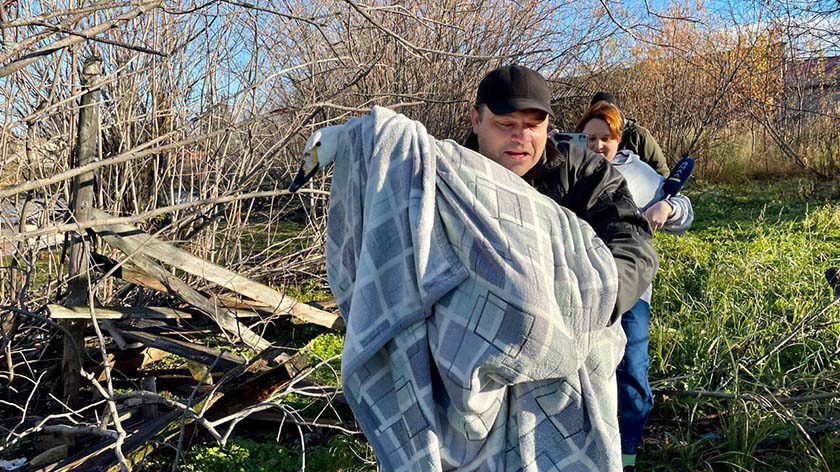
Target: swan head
x=320, y=151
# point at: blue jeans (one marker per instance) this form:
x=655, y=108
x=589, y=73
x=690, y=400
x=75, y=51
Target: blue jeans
x=635, y=399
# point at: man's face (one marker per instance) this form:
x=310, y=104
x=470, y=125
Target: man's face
x=516, y=140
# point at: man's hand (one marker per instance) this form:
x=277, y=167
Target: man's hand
x=658, y=214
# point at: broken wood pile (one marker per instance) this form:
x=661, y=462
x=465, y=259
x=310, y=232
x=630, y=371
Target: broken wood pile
x=133, y=342
x=206, y=388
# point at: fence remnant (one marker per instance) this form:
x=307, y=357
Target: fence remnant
x=87, y=150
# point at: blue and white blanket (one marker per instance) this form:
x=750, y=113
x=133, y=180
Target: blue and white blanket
x=476, y=310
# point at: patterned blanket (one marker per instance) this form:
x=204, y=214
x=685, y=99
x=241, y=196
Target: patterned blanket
x=476, y=310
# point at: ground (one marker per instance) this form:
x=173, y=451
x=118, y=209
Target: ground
x=747, y=274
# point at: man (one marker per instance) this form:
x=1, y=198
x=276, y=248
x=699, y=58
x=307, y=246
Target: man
x=510, y=126
x=473, y=342
x=637, y=139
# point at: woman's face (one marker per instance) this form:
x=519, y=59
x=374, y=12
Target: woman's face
x=599, y=139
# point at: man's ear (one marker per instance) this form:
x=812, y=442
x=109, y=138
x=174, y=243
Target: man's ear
x=474, y=119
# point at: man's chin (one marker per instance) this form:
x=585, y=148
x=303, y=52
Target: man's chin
x=519, y=168
x=515, y=165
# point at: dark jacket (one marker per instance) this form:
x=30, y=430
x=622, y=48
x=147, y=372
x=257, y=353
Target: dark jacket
x=587, y=184
x=638, y=139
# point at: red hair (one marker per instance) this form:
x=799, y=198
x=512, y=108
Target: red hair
x=606, y=112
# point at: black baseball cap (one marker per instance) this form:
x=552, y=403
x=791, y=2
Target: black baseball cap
x=603, y=97
x=513, y=88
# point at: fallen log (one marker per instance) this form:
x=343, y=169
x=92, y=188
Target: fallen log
x=49, y=456
x=146, y=244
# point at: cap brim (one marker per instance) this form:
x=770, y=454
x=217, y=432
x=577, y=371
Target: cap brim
x=512, y=105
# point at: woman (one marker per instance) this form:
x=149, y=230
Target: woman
x=603, y=124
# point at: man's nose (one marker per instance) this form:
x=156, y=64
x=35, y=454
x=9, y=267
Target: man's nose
x=522, y=135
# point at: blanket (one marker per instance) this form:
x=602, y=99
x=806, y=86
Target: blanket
x=477, y=309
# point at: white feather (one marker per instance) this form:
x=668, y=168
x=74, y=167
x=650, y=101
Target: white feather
x=322, y=145
x=320, y=150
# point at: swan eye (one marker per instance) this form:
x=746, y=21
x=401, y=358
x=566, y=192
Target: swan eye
x=318, y=144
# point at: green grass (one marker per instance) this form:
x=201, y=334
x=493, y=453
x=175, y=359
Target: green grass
x=286, y=237
x=728, y=291
x=321, y=349
x=756, y=203
x=308, y=290
x=341, y=453
x=255, y=236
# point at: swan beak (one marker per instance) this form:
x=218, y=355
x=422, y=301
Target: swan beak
x=303, y=175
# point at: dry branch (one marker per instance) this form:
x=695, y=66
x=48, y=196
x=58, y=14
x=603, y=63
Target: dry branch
x=241, y=387
x=116, y=312
x=76, y=38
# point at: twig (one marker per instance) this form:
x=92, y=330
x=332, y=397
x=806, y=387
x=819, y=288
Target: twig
x=93, y=37
x=415, y=50
x=63, y=228
x=89, y=430
x=71, y=40
x=796, y=329
x=151, y=397
x=38, y=19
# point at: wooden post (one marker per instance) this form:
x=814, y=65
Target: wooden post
x=150, y=410
x=87, y=151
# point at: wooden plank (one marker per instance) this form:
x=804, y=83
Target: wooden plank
x=326, y=304
x=116, y=312
x=149, y=411
x=237, y=303
x=141, y=279
x=242, y=308
x=131, y=312
x=150, y=246
x=115, y=334
x=223, y=317
x=195, y=352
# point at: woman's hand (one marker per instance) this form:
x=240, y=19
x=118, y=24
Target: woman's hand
x=658, y=214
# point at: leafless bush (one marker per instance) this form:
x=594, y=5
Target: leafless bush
x=205, y=101
x=202, y=102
